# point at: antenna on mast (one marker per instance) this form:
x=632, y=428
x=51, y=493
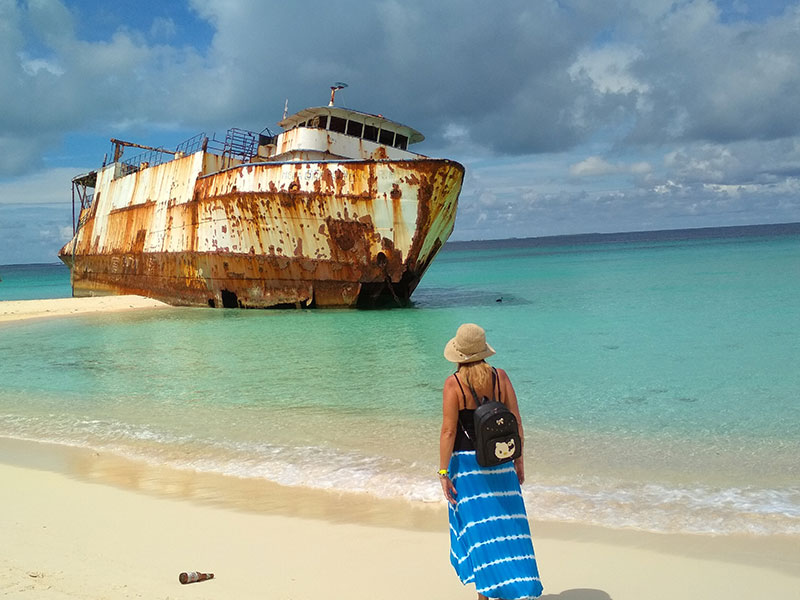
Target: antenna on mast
x=285, y=108
x=338, y=85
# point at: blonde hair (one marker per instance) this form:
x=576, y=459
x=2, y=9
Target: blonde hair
x=476, y=374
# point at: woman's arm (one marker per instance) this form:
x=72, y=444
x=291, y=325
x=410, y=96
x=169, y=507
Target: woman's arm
x=448, y=434
x=510, y=400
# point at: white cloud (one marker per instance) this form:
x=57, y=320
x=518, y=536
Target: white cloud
x=54, y=82
x=608, y=68
x=596, y=166
x=36, y=215
x=19, y=154
x=718, y=81
x=658, y=70
x=49, y=186
x=748, y=162
x=163, y=28
x=32, y=233
x=592, y=166
x=526, y=201
x=32, y=66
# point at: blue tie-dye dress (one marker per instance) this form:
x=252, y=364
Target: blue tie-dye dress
x=490, y=538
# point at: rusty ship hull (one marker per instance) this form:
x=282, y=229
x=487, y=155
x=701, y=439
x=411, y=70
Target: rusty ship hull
x=327, y=233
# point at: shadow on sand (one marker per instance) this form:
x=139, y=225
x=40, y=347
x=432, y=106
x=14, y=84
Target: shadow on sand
x=577, y=594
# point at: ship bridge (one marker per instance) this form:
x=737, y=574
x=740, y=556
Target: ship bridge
x=332, y=132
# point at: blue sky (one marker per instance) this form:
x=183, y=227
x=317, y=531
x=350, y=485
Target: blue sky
x=571, y=116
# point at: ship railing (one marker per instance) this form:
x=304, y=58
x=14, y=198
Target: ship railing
x=155, y=156
x=192, y=145
x=82, y=198
x=239, y=145
x=82, y=218
x=151, y=158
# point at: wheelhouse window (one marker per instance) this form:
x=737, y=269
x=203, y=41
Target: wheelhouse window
x=319, y=122
x=370, y=133
x=338, y=124
x=358, y=129
x=354, y=128
x=387, y=137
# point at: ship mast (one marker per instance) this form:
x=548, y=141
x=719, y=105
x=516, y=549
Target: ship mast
x=334, y=88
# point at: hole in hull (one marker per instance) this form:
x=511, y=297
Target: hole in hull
x=229, y=299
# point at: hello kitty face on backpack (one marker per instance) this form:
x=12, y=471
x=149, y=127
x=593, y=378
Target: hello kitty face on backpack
x=504, y=449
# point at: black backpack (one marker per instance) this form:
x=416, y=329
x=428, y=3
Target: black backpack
x=497, y=438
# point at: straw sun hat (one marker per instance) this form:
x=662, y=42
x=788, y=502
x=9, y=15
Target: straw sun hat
x=469, y=345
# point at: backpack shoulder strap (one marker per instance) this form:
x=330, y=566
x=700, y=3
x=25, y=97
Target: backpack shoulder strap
x=496, y=385
x=464, y=429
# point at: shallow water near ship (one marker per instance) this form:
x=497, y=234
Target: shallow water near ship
x=656, y=375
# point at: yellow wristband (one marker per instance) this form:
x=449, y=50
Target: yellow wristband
x=443, y=473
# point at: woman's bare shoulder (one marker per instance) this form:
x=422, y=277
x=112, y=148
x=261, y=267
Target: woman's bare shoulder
x=501, y=373
x=505, y=380
x=450, y=393
x=450, y=382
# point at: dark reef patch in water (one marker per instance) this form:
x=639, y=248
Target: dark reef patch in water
x=443, y=297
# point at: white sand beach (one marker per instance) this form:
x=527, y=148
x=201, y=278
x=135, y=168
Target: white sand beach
x=15, y=310
x=78, y=525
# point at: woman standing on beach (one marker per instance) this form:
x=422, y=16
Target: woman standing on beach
x=490, y=539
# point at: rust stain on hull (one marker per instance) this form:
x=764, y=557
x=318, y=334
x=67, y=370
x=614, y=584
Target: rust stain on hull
x=258, y=235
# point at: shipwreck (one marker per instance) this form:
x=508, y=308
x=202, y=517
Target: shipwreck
x=334, y=211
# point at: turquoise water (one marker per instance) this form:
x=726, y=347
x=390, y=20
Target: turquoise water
x=30, y=282
x=657, y=376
